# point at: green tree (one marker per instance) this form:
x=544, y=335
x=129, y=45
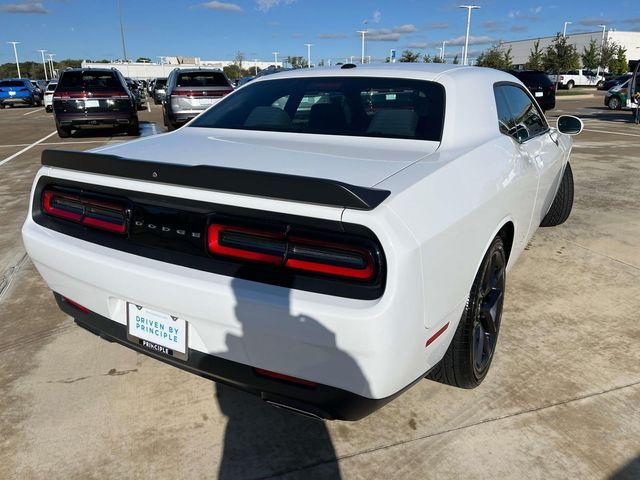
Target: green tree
x=409, y=57
x=621, y=65
x=426, y=58
x=495, y=57
x=438, y=59
x=590, y=55
x=456, y=61
x=607, y=55
x=534, y=62
x=239, y=59
x=560, y=56
x=297, y=61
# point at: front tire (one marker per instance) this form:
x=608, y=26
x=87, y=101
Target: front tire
x=563, y=203
x=468, y=358
x=134, y=129
x=614, y=103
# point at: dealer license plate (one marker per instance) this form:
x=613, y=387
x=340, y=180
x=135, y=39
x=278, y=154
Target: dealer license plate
x=539, y=94
x=206, y=101
x=157, y=331
x=91, y=103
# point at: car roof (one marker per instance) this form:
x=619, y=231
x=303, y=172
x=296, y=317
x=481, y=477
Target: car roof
x=417, y=71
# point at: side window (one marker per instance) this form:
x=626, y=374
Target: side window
x=525, y=120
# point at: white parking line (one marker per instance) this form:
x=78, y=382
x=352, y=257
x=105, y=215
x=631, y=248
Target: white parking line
x=32, y=111
x=612, y=133
x=8, y=159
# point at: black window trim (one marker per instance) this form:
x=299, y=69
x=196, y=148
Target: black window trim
x=533, y=101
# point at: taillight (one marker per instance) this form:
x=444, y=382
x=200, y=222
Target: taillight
x=333, y=258
x=62, y=95
x=330, y=258
x=86, y=210
x=76, y=305
x=181, y=92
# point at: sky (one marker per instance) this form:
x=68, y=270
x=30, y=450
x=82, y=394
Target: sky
x=216, y=30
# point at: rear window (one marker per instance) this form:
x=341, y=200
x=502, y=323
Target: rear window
x=534, y=78
x=161, y=82
x=51, y=87
x=88, y=80
x=12, y=83
x=362, y=106
x=201, y=79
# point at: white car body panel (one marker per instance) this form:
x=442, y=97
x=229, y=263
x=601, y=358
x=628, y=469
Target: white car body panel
x=448, y=200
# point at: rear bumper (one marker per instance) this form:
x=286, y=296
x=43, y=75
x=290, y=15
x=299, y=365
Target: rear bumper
x=18, y=101
x=319, y=401
x=80, y=120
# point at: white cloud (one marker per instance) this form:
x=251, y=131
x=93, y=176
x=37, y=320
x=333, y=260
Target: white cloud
x=24, y=7
x=390, y=34
x=473, y=40
x=332, y=36
x=375, y=18
x=266, y=5
x=419, y=45
x=225, y=7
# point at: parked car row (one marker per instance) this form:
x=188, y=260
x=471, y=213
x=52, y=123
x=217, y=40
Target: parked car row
x=20, y=91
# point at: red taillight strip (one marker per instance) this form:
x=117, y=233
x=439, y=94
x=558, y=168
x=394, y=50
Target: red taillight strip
x=213, y=240
x=323, y=247
x=318, y=267
x=435, y=336
x=90, y=95
x=286, y=378
x=47, y=198
x=87, y=217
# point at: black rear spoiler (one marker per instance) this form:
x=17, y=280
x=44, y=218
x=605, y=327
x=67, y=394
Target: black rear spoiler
x=233, y=180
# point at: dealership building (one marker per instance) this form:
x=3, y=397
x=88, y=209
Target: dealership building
x=144, y=70
x=521, y=49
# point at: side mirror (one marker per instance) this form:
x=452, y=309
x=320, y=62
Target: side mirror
x=569, y=125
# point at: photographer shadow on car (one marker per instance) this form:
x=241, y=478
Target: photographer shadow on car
x=259, y=439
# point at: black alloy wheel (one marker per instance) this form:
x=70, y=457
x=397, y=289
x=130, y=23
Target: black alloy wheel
x=469, y=356
x=488, y=313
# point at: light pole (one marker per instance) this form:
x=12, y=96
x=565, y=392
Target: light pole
x=275, y=55
x=44, y=65
x=51, y=67
x=309, y=45
x=15, y=52
x=255, y=65
x=124, y=48
x=368, y=58
x=564, y=30
x=604, y=28
x=363, y=33
x=444, y=42
x=466, y=38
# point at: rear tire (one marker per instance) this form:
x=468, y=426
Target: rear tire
x=563, y=203
x=134, y=129
x=468, y=358
x=570, y=84
x=63, y=132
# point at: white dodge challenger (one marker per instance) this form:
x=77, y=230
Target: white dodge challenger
x=321, y=238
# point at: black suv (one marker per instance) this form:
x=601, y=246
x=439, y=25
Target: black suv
x=540, y=86
x=190, y=92
x=94, y=97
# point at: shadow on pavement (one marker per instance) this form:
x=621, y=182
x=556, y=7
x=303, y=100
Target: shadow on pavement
x=629, y=471
x=261, y=440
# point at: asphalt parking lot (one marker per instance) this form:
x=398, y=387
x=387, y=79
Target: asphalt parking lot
x=561, y=401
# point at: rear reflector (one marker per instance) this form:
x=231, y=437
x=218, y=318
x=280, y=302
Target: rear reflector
x=435, y=336
x=77, y=306
x=89, y=211
x=286, y=378
x=292, y=252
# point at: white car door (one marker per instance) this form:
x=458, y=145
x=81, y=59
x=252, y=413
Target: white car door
x=539, y=145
